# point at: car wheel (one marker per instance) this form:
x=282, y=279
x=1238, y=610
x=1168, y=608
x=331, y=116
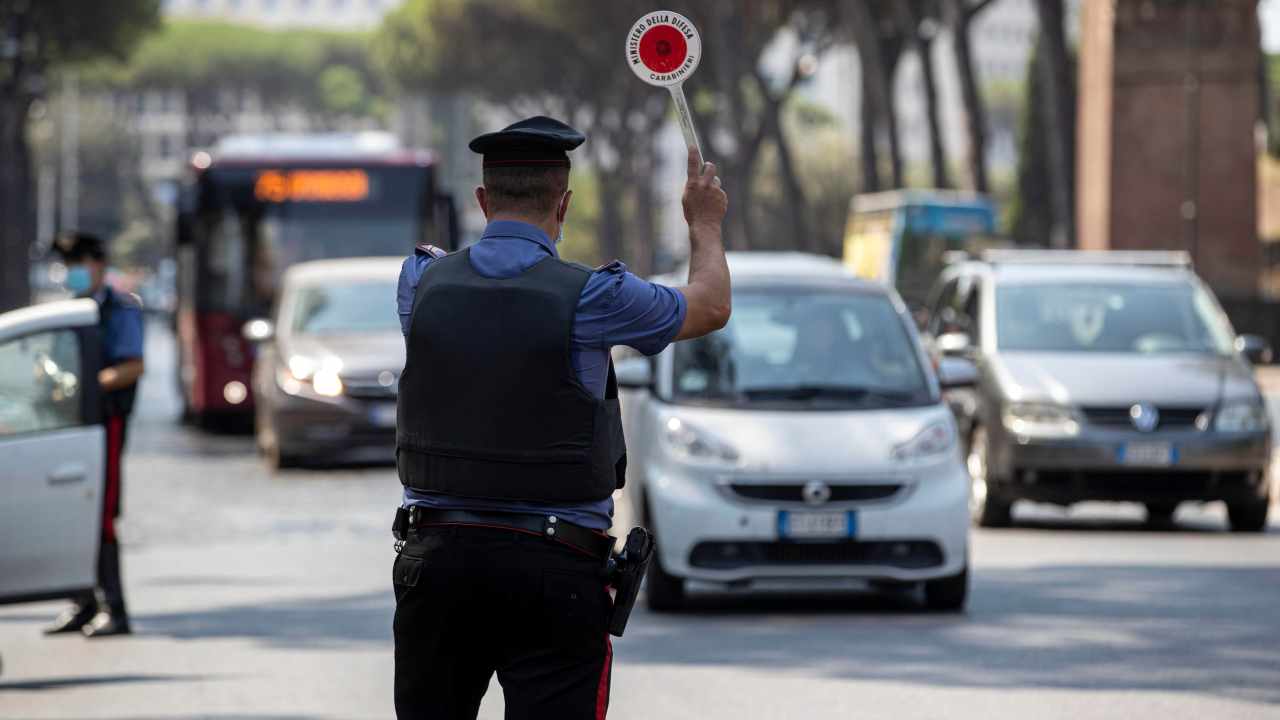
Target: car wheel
x=947, y=594
x=663, y=592
x=1248, y=517
x=986, y=508
x=278, y=459
x=1160, y=514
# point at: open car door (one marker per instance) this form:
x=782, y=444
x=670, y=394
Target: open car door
x=52, y=449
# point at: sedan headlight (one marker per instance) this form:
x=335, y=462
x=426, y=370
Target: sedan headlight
x=1245, y=416
x=1040, y=419
x=320, y=376
x=692, y=444
x=936, y=439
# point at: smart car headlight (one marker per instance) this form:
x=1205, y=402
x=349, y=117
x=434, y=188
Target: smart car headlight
x=1246, y=416
x=1040, y=419
x=690, y=443
x=935, y=439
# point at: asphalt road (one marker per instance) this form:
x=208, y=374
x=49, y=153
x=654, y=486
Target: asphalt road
x=268, y=596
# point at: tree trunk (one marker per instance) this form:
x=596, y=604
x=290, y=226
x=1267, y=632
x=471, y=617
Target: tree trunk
x=611, y=231
x=870, y=155
x=909, y=24
x=890, y=66
x=15, y=205
x=974, y=108
x=797, y=204
x=1056, y=79
x=877, y=92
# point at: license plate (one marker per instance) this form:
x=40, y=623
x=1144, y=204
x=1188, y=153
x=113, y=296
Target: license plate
x=1148, y=454
x=383, y=415
x=813, y=525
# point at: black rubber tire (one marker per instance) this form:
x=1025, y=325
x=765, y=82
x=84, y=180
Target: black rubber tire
x=991, y=509
x=663, y=592
x=279, y=460
x=1160, y=514
x=948, y=594
x=1248, y=517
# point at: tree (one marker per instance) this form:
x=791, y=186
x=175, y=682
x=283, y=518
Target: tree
x=918, y=21
x=959, y=16
x=1035, y=217
x=1058, y=115
x=37, y=37
x=879, y=42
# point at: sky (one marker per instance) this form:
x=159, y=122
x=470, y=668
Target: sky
x=1270, y=11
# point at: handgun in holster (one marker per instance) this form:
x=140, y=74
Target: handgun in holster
x=625, y=572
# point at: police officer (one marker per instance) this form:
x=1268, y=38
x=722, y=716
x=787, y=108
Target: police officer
x=509, y=438
x=103, y=613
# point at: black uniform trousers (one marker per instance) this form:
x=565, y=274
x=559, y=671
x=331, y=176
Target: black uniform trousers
x=474, y=601
x=110, y=584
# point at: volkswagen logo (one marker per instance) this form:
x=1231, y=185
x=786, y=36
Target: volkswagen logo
x=1144, y=417
x=816, y=493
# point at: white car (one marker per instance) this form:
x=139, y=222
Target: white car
x=806, y=442
x=52, y=442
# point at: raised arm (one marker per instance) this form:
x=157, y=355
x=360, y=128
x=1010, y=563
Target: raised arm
x=707, y=294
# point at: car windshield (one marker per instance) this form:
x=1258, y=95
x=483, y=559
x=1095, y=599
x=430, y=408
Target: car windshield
x=806, y=349
x=361, y=307
x=1110, y=317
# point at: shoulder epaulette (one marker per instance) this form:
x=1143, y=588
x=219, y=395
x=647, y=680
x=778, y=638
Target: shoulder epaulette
x=431, y=250
x=613, y=266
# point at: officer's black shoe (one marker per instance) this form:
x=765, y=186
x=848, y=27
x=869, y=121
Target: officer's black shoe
x=73, y=619
x=106, y=624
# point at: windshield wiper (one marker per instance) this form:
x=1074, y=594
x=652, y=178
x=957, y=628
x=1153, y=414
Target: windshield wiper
x=813, y=392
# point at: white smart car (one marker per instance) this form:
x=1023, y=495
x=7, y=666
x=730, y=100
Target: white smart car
x=807, y=442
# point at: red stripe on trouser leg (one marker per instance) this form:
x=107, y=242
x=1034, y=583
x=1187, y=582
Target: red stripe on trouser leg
x=602, y=690
x=111, y=494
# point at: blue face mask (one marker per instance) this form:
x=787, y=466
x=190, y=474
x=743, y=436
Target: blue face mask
x=78, y=279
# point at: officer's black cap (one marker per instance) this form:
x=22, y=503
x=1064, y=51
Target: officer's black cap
x=535, y=142
x=74, y=245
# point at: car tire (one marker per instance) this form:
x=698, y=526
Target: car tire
x=663, y=592
x=1248, y=517
x=948, y=594
x=277, y=459
x=1160, y=514
x=986, y=507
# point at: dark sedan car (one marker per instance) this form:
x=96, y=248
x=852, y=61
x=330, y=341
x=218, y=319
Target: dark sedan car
x=325, y=378
x=1103, y=377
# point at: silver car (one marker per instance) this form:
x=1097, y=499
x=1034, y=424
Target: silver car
x=1103, y=376
x=805, y=444
x=328, y=364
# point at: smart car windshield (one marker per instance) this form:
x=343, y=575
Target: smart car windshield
x=353, y=308
x=1110, y=317
x=803, y=348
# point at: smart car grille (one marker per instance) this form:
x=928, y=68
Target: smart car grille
x=906, y=554
x=368, y=389
x=1171, y=418
x=781, y=492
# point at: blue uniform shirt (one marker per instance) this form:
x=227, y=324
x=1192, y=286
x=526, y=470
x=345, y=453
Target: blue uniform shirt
x=122, y=336
x=616, y=308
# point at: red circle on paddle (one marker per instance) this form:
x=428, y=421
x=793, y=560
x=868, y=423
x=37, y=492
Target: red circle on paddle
x=663, y=48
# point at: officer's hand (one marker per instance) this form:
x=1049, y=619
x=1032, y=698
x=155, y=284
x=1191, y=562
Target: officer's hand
x=704, y=201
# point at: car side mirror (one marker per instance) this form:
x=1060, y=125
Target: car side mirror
x=634, y=373
x=955, y=373
x=953, y=343
x=1254, y=348
x=258, y=330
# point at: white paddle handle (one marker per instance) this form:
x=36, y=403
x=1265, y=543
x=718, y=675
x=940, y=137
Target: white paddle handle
x=686, y=120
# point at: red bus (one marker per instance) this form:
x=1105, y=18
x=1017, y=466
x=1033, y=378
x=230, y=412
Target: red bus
x=257, y=204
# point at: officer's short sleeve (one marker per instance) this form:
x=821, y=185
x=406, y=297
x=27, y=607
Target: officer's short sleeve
x=124, y=339
x=621, y=308
x=410, y=273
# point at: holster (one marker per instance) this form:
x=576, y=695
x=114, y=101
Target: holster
x=625, y=572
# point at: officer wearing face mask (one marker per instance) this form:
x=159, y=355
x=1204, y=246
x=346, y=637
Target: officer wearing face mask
x=509, y=438
x=103, y=613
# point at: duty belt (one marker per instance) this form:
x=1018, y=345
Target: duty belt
x=582, y=539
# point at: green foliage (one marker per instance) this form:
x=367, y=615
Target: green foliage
x=1272, y=96
x=330, y=72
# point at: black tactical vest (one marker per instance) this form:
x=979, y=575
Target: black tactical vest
x=114, y=402
x=489, y=404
